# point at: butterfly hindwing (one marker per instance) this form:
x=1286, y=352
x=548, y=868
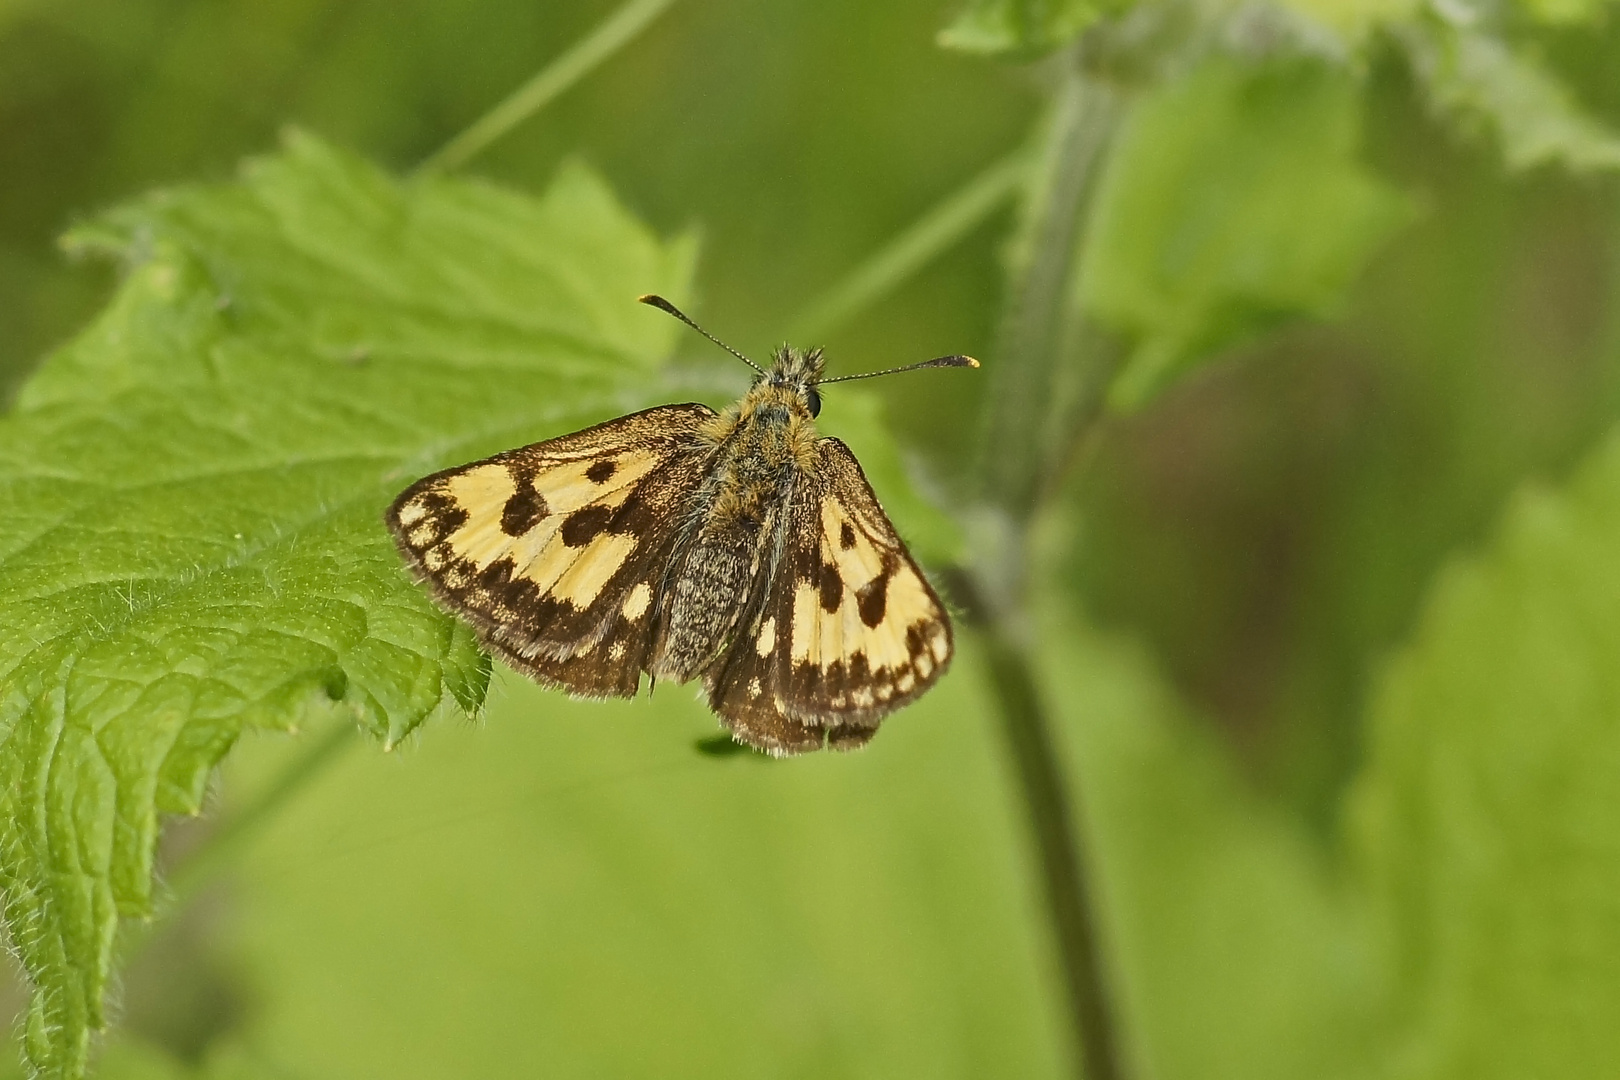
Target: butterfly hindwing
x=745, y=687
x=555, y=552
x=850, y=630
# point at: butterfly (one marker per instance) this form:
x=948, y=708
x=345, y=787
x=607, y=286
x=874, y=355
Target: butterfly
x=737, y=547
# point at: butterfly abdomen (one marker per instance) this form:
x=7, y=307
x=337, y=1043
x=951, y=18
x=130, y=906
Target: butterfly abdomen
x=703, y=602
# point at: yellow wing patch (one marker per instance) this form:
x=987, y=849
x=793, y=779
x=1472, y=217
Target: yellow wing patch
x=547, y=523
x=880, y=595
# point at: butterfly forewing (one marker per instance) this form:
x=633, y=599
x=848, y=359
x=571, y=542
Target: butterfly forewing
x=555, y=552
x=851, y=629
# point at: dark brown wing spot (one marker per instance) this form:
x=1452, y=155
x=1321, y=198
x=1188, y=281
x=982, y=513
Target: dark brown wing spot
x=602, y=471
x=530, y=608
x=498, y=583
x=832, y=588
x=873, y=598
x=582, y=526
x=440, y=510
x=523, y=511
x=846, y=536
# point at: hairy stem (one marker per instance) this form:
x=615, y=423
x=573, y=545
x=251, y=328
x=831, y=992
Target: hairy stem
x=1044, y=367
x=612, y=34
x=1040, y=343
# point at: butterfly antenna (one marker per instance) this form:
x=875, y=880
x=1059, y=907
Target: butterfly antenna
x=938, y=361
x=654, y=300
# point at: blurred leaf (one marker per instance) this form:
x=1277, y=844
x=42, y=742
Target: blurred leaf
x=1478, y=81
x=11, y=10
x=127, y=1058
x=1489, y=815
x=1352, y=20
x=1240, y=955
x=192, y=544
x=1233, y=200
x=607, y=902
x=1021, y=28
x=1566, y=12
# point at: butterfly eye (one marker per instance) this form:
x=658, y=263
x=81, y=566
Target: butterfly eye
x=815, y=402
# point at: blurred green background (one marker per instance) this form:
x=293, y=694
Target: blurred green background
x=572, y=890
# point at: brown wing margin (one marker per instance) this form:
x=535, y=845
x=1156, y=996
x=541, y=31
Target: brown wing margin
x=554, y=551
x=851, y=630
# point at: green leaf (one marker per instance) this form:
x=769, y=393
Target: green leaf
x=191, y=544
x=1020, y=28
x=1233, y=200
x=1489, y=816
x=1480, y=82
x=1240, y=956
x=1349, y=22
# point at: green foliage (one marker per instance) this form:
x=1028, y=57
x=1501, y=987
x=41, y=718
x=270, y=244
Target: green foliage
x=1020, y=28
x=1479, y=936
x=192, y=548
x=1232, y=200
x=1478, y=80
x=1487, y=816
x=1566, y=13
x=1349, y=22
x=193, y=491
x=1477, y=943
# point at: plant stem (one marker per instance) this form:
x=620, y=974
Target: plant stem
x=913, y=248
x=1039, y=331
x=1061, y=853
x=1030, y=429
x=610, y=35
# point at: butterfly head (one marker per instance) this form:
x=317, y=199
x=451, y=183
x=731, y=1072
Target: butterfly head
x=796, y=374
